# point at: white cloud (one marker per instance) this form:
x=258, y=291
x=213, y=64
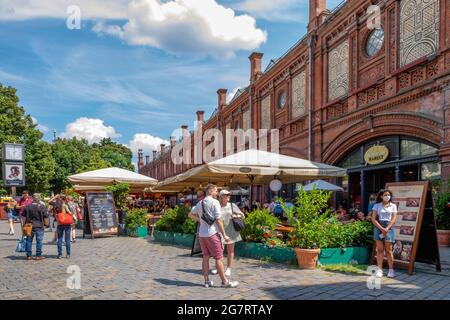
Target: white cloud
x=39, y=126
x=187, y=26
x=36, y=9
x=146, y=142
x=93, y=130
x=276, y=10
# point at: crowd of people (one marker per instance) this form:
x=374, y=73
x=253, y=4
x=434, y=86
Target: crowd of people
x=35, y=213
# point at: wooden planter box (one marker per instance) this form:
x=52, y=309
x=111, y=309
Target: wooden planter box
x=182, y=239
x=352, y=255
x=163, y=236
x=140, y=232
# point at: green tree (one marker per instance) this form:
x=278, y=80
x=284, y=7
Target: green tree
x=17, y=127
x=116, y=154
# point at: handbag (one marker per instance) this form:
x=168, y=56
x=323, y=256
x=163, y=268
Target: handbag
x=27, y=229
x=238, y=223
x=21, y=245
x=64, y=218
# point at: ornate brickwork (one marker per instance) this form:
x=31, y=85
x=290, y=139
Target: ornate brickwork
x=372, y=75
x=419, y=29
x=265, y=113
x=432, y=69
x=338, y=71
x=299, y=94
x=403, y=80
x=392, y=41
x=417, y=76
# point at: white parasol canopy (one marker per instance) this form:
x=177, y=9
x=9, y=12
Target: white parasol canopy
x=251, y=167
x=322, y=185
x=99, y=179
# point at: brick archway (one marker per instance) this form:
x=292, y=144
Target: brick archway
x=406, y=124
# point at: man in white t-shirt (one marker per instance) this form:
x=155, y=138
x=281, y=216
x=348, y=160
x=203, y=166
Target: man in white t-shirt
x=207, y=212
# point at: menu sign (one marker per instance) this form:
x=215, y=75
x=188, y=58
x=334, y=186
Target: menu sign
x=415, y=227
x=101, y=213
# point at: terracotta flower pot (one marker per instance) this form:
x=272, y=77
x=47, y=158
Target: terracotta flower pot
x=443, y=238
x=307, y=258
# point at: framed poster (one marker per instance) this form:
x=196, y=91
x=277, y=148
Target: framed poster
x=13, y=174
x=415, y=228
x=101, y=213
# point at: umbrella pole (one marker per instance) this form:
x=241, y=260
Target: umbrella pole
x=251, y=178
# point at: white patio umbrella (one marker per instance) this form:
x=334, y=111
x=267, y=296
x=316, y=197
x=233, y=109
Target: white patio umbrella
x=322, y=185
x=98, y=179
x=251, y=167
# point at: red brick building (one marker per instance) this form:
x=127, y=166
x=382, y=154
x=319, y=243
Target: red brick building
x=347, y=86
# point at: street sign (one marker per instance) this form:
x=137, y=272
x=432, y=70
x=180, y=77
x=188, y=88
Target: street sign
x=13, y=152
x=13, y=159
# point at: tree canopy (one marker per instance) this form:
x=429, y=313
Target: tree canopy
x=49, y=164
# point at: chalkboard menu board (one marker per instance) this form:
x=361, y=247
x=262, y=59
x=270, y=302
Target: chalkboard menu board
x=415, y=227
x=101, y=214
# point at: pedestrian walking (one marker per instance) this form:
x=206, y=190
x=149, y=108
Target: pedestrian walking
x=229, y=211
x=208, y=213
x=22, y=204
x=64, y=229
x=72, y=205
x=35, y=213
x=10, y=211
x=384, y=215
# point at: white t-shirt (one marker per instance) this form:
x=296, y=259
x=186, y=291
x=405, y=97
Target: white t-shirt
x=212, y=206
x=385, y=213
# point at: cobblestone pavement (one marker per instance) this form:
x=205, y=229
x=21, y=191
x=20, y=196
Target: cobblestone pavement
x=130, y=268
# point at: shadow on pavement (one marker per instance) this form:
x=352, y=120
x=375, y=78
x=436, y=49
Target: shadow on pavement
x=192, y=271
x=178, y=283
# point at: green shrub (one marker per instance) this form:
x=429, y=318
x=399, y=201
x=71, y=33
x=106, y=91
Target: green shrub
x=442, y=215
x=259, y=225
x=120, y=192
x=136, y=218
x=176, y=220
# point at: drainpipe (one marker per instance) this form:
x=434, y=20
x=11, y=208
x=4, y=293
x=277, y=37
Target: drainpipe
x=311, y=41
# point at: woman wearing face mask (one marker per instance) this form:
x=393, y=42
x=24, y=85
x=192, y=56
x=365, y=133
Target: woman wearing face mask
x=384, y=215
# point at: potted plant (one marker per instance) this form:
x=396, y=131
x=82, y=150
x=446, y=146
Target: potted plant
x=308, y=217
x=136, y=223
x=442, y=213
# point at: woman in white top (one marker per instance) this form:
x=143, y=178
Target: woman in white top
x=229, y=211
x=384, y=215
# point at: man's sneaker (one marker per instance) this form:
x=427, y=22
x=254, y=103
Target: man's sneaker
x=230, y=284
x=379, y=274
x=68, y=256
x=391, y=273
x=209, y=283
x=228, y=272
x=214, y=271
x=59, y=256
x=40, y=258
x=29, y=258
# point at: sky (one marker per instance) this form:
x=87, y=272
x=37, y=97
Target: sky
x=136, y=70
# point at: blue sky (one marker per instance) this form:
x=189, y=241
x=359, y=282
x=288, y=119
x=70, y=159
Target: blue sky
x=135, y=83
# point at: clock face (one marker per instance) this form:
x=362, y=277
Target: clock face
x=282, y=100
x=13, y=152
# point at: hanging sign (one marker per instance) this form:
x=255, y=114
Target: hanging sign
x=275, y=185
x=376, y=155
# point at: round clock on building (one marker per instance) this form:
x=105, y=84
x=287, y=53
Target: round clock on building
x=282, y=100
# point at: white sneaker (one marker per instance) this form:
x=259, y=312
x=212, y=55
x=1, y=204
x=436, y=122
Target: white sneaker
x=391, y=273
x=228, y=272
x=209, y=283
x=230, y=284
x=379, y=274
x=214, y=271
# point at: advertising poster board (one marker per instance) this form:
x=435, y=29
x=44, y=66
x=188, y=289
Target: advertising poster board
x=13, y=174
x=196, y=249
x=101, y=214
x=415, y=229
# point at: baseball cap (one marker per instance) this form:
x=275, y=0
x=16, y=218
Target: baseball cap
x=224, y=192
